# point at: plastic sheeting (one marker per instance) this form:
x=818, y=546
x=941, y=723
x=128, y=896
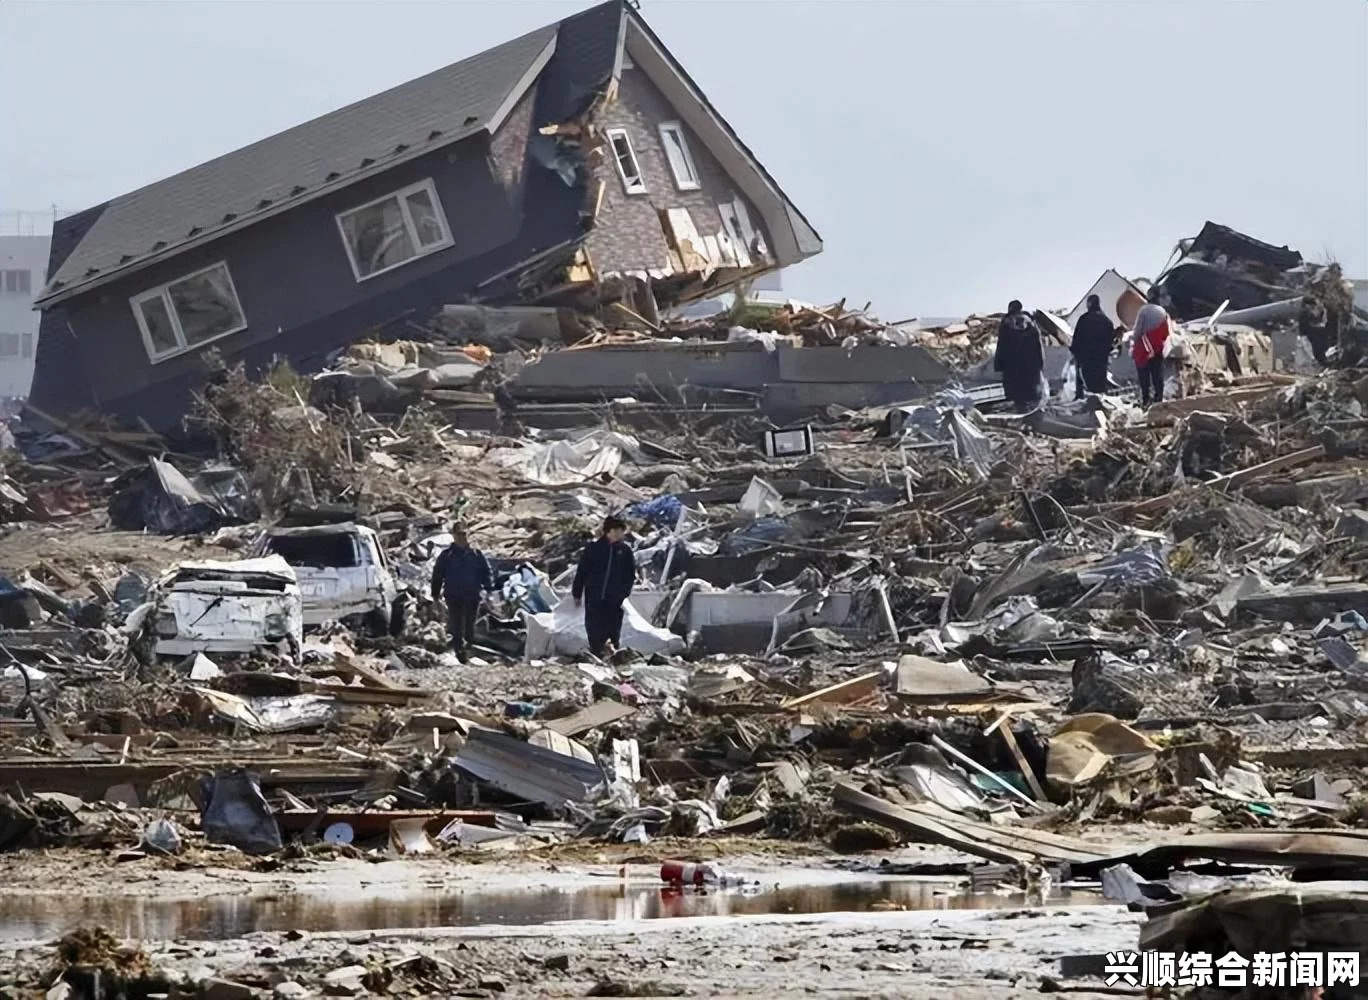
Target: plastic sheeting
x=236, y=813
x=663, y=511
x=561, y=633
x=571, y=460
x=1133, y=567
x=161, y=498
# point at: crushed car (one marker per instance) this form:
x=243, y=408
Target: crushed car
x=344, y=575
x=246, y=606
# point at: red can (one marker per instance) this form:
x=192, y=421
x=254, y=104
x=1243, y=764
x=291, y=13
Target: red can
x=684, y=873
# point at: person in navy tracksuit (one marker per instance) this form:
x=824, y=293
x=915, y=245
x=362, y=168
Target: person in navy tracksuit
x=603, y=582
x=463, y=576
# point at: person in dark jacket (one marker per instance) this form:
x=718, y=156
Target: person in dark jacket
x=461, y=575
x=1019, y=358
x=1093, y=340
x=604, y=580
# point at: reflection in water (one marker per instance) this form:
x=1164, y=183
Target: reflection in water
x=222, y=917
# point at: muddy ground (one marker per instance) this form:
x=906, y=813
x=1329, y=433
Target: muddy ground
x=533, y=927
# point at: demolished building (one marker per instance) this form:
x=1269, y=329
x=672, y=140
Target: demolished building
x=574, y=164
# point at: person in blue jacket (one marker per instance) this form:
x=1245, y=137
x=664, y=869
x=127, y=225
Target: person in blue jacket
x=604, y=580
x=461, y=575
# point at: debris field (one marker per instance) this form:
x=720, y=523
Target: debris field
x=1092, y=648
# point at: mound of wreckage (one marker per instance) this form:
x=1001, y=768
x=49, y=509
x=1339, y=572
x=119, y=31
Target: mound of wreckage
x=914, y=619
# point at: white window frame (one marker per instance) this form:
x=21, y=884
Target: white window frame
x=694, y=182
x=162, y=292
x=639, y=186
x=412, y=231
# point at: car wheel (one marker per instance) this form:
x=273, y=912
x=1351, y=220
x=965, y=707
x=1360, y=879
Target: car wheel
x=398, y=615
x=377, y=623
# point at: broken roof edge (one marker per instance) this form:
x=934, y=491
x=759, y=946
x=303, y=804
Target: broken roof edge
x=53, y=296
x=806, y=241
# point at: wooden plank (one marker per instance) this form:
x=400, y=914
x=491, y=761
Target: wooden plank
x=1240, y=477
x=1236, y=479
x=847, y=691
x=1026, y=772
x=349, y=668
x=1171, y=409
x=600, y=713
x=924, y=828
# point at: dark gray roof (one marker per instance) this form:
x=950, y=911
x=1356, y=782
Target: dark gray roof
x=433, y=110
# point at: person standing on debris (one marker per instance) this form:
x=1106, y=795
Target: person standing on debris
x=604, y=580
x=1093, y=340
x=1019, y=358
x=463, y=576
x=1313, y=324
x=1152, y=326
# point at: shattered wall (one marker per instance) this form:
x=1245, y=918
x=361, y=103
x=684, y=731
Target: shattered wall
x=508, y=147
x=628, y=233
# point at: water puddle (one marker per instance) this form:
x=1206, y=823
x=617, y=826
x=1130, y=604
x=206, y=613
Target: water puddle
x=29, y=917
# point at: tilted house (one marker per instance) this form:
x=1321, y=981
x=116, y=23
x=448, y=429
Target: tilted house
x=576, y=159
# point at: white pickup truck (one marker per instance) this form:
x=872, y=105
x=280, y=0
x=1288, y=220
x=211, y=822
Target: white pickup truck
x=343, y=575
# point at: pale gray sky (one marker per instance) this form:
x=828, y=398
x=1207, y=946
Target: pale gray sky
x=953, y=155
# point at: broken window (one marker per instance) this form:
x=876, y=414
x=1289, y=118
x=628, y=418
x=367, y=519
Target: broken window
x=322, y=551
x=731, y=225
x=681, y=160
x=394, y=230
x=628, y=169
x=18, y=282
x=188, y=312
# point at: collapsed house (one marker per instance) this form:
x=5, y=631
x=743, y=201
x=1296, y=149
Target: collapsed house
x=577, y=163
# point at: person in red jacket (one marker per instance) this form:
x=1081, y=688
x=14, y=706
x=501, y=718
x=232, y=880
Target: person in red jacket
x=1152, y=326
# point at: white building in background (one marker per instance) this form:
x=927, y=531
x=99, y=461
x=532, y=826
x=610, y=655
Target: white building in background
x=23, y=267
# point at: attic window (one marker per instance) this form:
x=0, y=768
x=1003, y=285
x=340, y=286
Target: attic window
x=400, y=148
x=365, y=163
x=681, y=160
x=264, y=203
x=297, y=190
x=393, y=230
x=188, y=312
x=434, y=134
x=332, y=176
x=633, y=182
x=194, y=231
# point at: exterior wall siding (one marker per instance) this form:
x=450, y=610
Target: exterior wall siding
x=289, y=272
x=628, y=233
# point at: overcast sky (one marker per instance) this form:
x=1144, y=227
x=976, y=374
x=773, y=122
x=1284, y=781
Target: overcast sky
x=953, y=155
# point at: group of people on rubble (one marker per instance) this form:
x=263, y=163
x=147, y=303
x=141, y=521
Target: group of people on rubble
x=1020, y=357
x=1020, y=354
x=603, y=581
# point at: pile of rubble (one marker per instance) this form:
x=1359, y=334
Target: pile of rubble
x=959, y=625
